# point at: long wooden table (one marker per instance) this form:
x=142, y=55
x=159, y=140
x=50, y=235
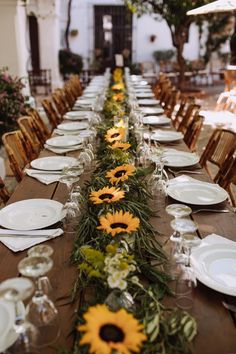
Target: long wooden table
x=216, y=325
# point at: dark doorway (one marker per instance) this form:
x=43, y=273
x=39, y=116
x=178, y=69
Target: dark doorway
x=113, y=34
x=34, y=43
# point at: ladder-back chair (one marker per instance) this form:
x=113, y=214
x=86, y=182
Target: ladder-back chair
x=193, y=131
x=51, y=113
x=4, y=194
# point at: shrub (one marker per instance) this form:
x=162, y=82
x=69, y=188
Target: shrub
x=164, y=55
x=70, y=63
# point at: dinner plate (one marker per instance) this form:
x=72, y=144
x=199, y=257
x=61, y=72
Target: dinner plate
x=10, y=336
x=64, y=141
x=197, y=193
x=173, y=158
x=53, y=163
x=31, y=214
x=6, y=318
x=84, y=101
x=145, y=95
x=165, y=136
x=215, y=266
x=156, y=120
x=148, y=102
x=73, y=126
x=152, y=110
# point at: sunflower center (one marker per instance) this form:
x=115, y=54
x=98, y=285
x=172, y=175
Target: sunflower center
x=106, y=196
x=111, y=333
x=120, y=173
x=118, y=224
x=115, y=135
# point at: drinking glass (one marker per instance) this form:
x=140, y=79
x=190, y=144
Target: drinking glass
x=183, y=227
x=41, y=311
x=46, y=251
x=178, y=211
x=23, y=336
x=185, y=284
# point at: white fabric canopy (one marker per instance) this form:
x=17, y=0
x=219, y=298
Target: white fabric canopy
x=214, y=7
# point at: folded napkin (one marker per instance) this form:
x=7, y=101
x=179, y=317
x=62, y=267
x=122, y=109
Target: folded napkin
x=63, y=150
x=45, y=178
x=213, y=239
x=183, y=179
x=27, y=239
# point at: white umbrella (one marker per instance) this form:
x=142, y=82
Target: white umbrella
x=214, y=7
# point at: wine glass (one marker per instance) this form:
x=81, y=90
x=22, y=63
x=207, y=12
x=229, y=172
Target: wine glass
x=46, y=251
x=178, y=211
x=183, y=227
x=41, y=311
x=23, y=336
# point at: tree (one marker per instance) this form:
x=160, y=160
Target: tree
x=68, y=25
x=174, y=12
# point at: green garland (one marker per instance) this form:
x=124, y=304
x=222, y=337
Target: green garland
x=139, y=253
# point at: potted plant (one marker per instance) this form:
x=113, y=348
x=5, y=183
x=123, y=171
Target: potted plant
x=11, y=100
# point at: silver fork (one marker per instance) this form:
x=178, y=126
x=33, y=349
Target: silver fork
x=186, y=171
x=211, y=210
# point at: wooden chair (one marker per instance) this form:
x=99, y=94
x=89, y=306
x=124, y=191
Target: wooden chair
x=221, y=144
x=4, y=194
x=69, y=96
x=171, y=103
x=16, y=149
x=186, y=119
x=76, y=85
x=29, y=132
x=226, y=176
x=53, y=117
x=193, y=131
x=59, y=103
x=42, y=130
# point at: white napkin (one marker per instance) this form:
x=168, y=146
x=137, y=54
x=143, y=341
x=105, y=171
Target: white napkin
x=28, y=239
x=63, y=150
x=63, y=132
x=184, y=178
x=213, y=239
x=46, y=178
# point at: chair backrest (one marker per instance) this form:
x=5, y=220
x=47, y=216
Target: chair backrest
x=59, y=102
x=68, y=93
x=76, y=85
x=51, y=113
x=222, y=143
x=16, y=149
x=191, y=110
x=172, y=101
x=226, y=176
x=4, y=194
x=193, y=131
x=42, y=130
x=29, y=132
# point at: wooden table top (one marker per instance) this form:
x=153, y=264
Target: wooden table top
x=216, y=325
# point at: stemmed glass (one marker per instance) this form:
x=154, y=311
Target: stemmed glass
x=22, y=338
x=41, y=311
x=45, y=251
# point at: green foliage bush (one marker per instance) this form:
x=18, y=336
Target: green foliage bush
x=70, y=63
x=164, y=55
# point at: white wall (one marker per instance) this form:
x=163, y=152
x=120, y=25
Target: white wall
x=83, y=43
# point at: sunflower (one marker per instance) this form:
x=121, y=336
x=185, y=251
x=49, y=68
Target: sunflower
x=121, y=146
x=106, y=195
x=106, y=331
x=115, y=134
x=118, y=222
x=120, y=173
x=118, y=87
x=118, y=97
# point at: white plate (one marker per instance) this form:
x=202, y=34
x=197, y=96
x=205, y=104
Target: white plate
x=156, y=120
x=145, y=95
x=165, y=136
x=64, y=142
x=31, y=214
x=198, y=193
x=150, y=111
x=10, y=337
x=215, y=266
x=6, y=318
x=53, y=163
x=174, y=158
x=147, y=102
x=73, y=126
x=85, y=102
